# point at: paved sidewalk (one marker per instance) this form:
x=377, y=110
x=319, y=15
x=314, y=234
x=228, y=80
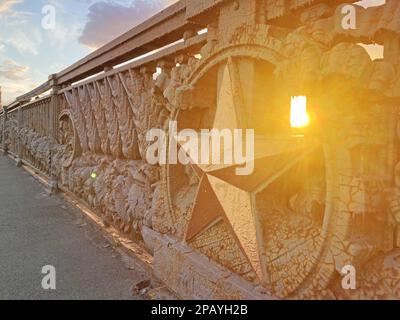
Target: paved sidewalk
x=38, y=230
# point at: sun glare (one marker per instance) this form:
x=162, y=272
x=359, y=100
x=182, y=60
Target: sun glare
x=298, y=112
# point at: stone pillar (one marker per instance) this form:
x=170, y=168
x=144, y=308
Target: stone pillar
x=53, y=114
x=4, y=144
x=53, y=129
x=19, y=146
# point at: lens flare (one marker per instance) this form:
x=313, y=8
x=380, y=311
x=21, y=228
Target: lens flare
x=298, y=112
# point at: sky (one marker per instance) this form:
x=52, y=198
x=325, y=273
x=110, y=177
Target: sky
x=33, y=45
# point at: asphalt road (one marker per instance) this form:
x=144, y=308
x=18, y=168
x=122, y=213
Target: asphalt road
x=38, y=230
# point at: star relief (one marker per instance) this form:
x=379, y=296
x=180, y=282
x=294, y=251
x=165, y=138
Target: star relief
x=224, y=195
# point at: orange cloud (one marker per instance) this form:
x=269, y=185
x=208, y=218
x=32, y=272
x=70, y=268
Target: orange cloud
x=6, y=5
x=11, y=70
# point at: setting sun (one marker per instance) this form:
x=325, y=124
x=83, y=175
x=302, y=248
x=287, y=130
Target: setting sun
x=298, y=112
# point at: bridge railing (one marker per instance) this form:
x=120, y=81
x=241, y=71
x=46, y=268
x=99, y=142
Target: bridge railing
x=232, y=63
x=147, y=48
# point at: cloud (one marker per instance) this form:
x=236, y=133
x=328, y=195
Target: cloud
x=6, y=5
x=11, y=90
x=63, y=35
x=109, y=19
x=11, y=70
x=24, y=44
x=14, y=80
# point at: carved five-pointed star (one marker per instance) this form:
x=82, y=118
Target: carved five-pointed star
x=224, y=195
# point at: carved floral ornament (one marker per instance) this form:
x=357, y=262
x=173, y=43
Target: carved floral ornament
x=68, y=138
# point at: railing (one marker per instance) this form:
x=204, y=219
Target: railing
x=154, y=43
x=85, y=129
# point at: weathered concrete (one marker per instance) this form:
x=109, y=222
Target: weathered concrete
x=38, y=230
x=195, y=276
x=322, y=197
